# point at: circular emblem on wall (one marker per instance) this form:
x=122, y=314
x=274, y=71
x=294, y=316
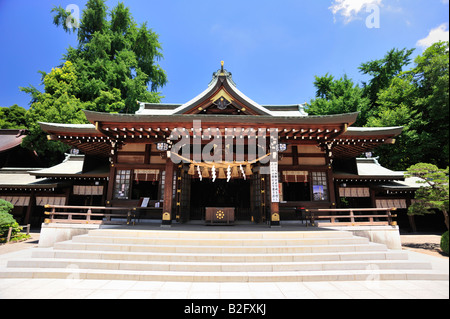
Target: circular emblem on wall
x=220, y=214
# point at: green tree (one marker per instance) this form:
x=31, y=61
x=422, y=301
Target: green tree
x=112, y=67
x=418, y=100
x=435, y=192
x=57, y=104
x=337, y=97
x=431, y=77
x=13, y=117
x=396, y=109
x=382, y=72
x=115, y=60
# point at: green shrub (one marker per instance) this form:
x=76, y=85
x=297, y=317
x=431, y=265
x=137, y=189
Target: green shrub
x=7, y=220
x=444, y=242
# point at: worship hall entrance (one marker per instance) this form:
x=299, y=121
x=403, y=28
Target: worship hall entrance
x=220, y=193
x=243, y=196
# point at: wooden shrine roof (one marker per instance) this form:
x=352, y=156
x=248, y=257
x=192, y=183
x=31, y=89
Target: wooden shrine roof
x=219, y=107
x=84, y=137
x=369, y=169
x=358, y=140
x=10, y=139
x=72, y=167
x=221, y=97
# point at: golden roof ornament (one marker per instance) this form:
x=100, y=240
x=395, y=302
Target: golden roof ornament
x=222, y=72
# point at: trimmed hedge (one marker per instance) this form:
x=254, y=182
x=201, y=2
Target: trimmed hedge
x=444, y=242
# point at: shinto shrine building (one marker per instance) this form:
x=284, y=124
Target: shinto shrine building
x=219, y=157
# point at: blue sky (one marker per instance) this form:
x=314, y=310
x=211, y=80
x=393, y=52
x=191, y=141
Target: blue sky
x=273, y=48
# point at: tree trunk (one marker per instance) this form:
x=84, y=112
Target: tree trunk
x=445, y=217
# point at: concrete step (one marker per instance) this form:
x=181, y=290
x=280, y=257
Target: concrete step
x=216, y=266
x=314, y=233
x=220, y=242
x=225, y=258
x=70, y=245
x=126, y=254
x=297, y=276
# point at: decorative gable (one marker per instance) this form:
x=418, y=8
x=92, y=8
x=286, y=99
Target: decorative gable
x=222, y=97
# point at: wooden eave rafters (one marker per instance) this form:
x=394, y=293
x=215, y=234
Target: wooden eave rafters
x=131, y=128
x=86, y=138
x=359, y=140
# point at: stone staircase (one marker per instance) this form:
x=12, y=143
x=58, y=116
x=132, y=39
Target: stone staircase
x=218, y=256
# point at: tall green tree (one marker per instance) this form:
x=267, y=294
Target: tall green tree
x=431, y=78
x=382, y=72
x=434, y=192
x=114, y=65
x=57, y=104
x=13, y=117
x=336, y=96
x=116, y=60
x=417, y=99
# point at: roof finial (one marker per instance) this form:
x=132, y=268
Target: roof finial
x=222, y=63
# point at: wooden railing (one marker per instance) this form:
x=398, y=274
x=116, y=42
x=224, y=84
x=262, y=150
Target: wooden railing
x=8, y=237
x=352, y=216
x=85, y=214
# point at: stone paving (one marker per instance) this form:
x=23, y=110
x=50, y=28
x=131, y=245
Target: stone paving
x=106, y=289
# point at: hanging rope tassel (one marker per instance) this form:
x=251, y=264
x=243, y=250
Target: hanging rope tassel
x=191, y=170
x=222, y=173
x=248, y=170
x=205, y=173
x=234, y=172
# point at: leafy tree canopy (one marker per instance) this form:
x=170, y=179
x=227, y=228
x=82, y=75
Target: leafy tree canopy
x=57, y=104
x=112, y=67
x=13, y=117
x=417, y=99
x=115, y=60
x=337, y=96
x=434, y=194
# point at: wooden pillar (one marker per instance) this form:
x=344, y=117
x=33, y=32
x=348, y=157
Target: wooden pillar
x=331, y=189
x=30, y=208
x=274, y=215
x=168, y=194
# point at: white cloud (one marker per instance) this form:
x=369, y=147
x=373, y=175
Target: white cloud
x=438, y=34
x=350, y=9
